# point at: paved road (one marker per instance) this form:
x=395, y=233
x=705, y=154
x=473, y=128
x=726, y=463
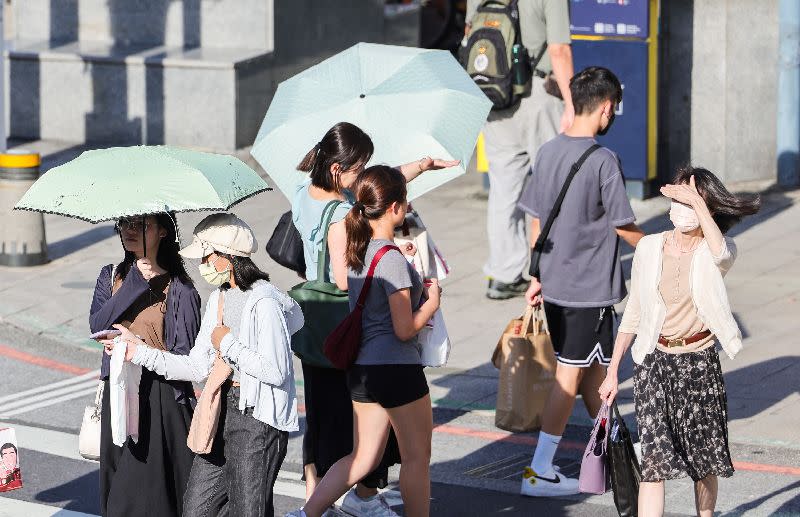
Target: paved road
x=475, y=467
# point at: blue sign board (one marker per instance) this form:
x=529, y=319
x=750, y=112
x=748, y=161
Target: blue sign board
x=628, y=60
x=609, y=17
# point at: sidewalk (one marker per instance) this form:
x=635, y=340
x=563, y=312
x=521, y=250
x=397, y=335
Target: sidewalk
x=764, y=287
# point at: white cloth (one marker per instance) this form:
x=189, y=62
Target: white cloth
x=434, y=342
x=261, y=352
x=646, y=311
x=123, y=383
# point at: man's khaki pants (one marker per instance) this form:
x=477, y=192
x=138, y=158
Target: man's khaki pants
x=513, y=138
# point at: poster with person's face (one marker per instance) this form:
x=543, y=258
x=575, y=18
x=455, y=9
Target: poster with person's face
x=10, y=475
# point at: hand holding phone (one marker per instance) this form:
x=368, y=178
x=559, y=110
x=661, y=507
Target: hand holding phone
x=105, y=334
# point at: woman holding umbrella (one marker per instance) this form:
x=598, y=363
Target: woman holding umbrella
x=150, y=294
x=333, y=166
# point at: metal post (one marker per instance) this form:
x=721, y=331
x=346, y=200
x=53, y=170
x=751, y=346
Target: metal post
x=2, y=81
x=788, y=141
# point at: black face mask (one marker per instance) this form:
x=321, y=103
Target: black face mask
x=610, y=123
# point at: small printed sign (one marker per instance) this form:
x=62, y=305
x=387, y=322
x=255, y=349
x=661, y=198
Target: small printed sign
x=10, y=475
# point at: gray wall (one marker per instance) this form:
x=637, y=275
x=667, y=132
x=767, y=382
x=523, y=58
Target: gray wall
x=734, y=88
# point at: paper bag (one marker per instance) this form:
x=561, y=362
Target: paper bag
x=527, y=366
x=10, y=475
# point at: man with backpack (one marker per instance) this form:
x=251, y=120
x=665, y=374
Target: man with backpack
x=517, y=51
x=576, y=197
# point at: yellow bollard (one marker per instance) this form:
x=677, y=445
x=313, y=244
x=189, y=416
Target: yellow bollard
x=22, y=238
x=481, y=163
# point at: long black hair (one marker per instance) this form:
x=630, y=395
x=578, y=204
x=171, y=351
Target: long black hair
x=375, y=189
x=167, y=256
x=245, y=272
x=726, y=208
x=345, y=144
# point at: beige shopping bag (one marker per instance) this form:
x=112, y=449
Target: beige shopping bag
x=206, y=415
x=527, y=363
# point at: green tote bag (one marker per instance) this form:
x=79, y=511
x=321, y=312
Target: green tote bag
x=324, y=305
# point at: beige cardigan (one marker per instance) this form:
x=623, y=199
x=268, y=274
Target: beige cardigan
x=645, y=312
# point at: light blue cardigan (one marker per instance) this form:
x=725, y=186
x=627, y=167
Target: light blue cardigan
x=261, y=352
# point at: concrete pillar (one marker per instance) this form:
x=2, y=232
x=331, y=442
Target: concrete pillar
x=734, y=98
x=22, y=237
x=789, y=95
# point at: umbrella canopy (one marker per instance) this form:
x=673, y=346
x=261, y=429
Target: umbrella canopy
x=106, y=184
x=412, y=102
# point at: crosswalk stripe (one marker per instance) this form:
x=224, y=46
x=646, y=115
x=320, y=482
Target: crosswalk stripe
x=47, y=387
x=14, y=508
x=49, y=395
x=51, y=401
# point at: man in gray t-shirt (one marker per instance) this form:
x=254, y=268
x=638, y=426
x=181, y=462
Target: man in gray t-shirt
x=580, y=262
x=581, y=277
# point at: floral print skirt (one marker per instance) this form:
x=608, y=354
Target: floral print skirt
x=682, y=414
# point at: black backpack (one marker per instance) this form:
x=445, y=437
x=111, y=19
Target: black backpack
x=494, y=56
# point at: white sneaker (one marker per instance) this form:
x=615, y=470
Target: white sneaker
x=534, y=485
x=373, y=507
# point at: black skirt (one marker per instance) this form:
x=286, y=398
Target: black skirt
x=682, y=414
x=148, y=477
x=329, y=425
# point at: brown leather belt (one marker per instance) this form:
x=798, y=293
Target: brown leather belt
x=685, y=341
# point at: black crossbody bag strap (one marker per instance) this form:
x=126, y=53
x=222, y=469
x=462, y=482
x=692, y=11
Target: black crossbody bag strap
x=536, y=254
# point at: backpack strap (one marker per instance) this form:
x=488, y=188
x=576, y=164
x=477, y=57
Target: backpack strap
x=362, y=296
x=536, y=254
x=325, y=224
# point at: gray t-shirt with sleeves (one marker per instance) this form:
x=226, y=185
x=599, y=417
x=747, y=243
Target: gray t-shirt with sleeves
x=235, y=301
x=307, y=216
x=540, y=21
x=580, y=264
x=379, y=344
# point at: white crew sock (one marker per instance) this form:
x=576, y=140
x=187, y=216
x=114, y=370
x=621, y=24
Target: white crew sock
x=546, y=447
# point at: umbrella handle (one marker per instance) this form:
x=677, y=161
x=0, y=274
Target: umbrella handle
x=144, y=238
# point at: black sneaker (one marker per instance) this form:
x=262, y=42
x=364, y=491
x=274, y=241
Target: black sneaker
x=501, y=291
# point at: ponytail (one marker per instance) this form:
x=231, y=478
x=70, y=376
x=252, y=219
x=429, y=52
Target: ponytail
x=344, y=144
x=359, y=234
x=376, y=189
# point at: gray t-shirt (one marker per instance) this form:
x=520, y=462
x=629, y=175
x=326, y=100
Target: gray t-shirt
x=540, y=21
x=379, y=344
x=580, y=264
x=235, y=300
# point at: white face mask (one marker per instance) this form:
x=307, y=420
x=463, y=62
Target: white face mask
x=684, y=218
x=212, y=276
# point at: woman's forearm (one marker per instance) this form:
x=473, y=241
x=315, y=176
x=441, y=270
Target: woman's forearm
x=423, y=315
x=411, y=170
x=711, y=232
x=621, y=345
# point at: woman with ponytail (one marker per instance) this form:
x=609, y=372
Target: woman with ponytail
x=150, y=294
x=387, y=384
x=333, y=166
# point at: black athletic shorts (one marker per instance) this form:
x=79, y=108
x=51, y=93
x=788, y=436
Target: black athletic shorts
x=581, y=335
x=390, y=385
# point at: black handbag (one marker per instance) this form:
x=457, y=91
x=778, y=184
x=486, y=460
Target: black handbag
x=623, y=466
x=286, y=245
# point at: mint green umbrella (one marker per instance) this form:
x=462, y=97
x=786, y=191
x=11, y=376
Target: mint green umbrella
x=412, y=102
x=107, y=184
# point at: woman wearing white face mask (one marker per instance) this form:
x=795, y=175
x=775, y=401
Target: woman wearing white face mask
x=249, y=323
x=677, y=310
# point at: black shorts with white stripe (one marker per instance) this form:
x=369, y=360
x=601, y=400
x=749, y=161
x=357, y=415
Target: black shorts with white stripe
x=581, y=335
